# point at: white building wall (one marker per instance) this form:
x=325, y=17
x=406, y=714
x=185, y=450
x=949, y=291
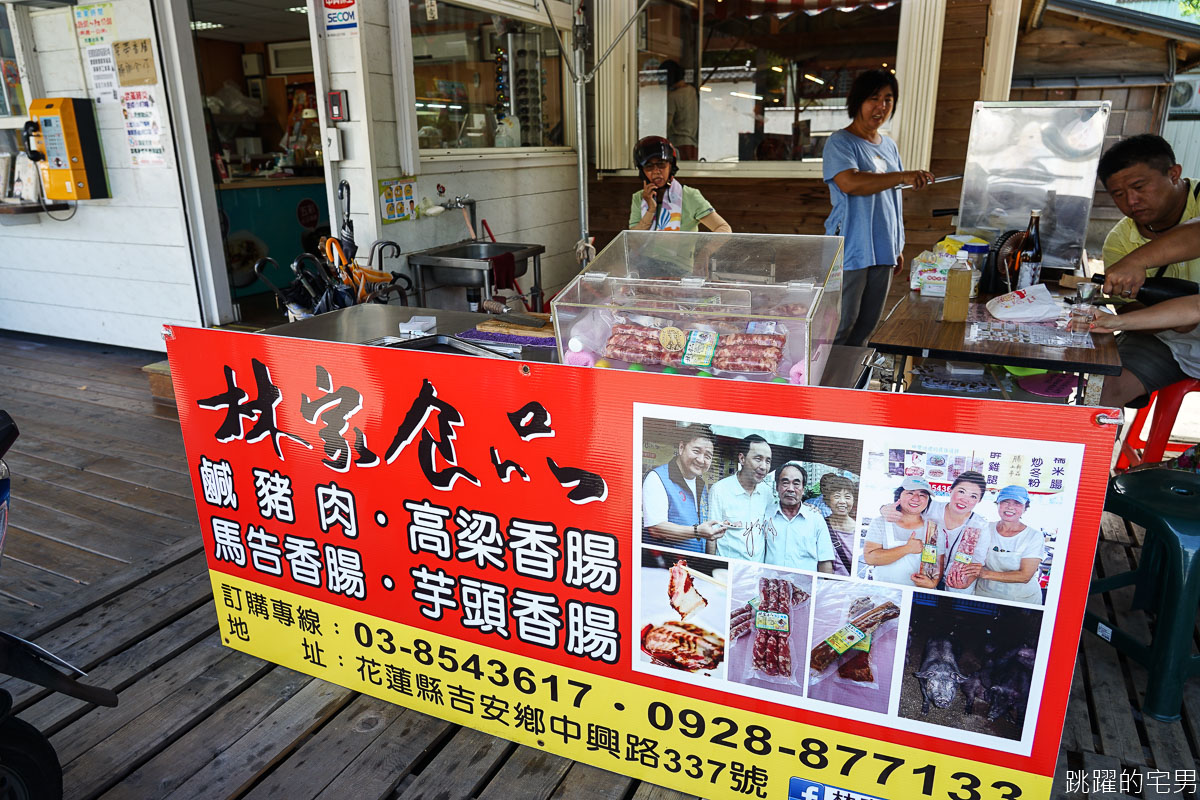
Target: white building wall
x=530, y=197
x=120, y=268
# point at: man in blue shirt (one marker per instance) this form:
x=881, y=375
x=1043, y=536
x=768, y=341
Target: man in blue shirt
x=675, y=505
x=797, y=536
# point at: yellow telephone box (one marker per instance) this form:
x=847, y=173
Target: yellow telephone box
x=65, y=142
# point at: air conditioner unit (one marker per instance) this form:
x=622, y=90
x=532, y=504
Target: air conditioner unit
x=1185, y=97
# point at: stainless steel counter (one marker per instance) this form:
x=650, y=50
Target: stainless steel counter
x=362, y=323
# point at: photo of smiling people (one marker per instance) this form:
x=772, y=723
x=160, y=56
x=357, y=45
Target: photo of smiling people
x=769, y=497
x=966, y=521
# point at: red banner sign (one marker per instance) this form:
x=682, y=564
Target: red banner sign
x=560, y=556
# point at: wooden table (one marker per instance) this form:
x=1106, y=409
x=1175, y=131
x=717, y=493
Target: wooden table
x=913, y=329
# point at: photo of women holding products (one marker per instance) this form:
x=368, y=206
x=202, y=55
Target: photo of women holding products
x=862, y=169
x=1010, y=571
x=893, y=549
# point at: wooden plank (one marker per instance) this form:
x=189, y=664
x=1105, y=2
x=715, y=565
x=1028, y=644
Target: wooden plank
x=314, y=764
x=98, y=387
x=74, y=563
x=464, y=765
x=1094, y=764
x=585, y=782
x=1111, y=706
x=208, y=740
x=379, y=768
x=648, y=791
x=36, y=587
x=1168, y=744
x=528, y=774
x=262, y=747
x=1112, y=529
x=87, y=640
x=54, y=525
x=130, y=521
x=1077, y=728
x=93, y=764
x=55, y=711
x=62, y=423
x=155, y=688
x=101, y=463
x=121, y=492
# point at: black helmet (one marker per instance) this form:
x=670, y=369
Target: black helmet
x=651, y=147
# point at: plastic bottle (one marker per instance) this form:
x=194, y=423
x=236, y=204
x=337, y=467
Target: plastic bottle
x=958, y=289
x=1029, y=257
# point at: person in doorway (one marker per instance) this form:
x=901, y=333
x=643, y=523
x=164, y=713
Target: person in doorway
x=1010, y=569
x=797, y=536
x=893, y=549
x=683, y=112
x=664, y=204
x=740, y=500
x=675, y=498
x=862, y=169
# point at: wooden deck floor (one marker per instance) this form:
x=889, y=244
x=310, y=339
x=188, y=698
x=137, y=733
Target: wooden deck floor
x=103, y=565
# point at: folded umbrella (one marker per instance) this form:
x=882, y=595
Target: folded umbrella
x=346, y=232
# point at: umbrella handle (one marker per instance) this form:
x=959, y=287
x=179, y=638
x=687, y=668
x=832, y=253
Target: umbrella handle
x=340, y=262
x=259, y=267
x=344, y=196
x=378, y=247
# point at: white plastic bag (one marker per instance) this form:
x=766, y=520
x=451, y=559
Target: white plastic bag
x=1034, y=304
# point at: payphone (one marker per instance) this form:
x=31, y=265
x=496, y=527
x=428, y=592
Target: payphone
x=64, y=141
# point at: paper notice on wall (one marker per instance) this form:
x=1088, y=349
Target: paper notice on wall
x=135, y=62
x=396, y=201
x=143, y=130
x=94, y=24
x=101, y=73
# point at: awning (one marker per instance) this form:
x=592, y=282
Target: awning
x=816, y=6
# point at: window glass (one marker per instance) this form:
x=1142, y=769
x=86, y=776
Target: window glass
x=484, y=80
x=12, y=98
x=746, y=83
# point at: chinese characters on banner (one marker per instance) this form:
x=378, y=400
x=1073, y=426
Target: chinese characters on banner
x=94, y=24
x=372, y=518
x=135, y=62
x=142, y=129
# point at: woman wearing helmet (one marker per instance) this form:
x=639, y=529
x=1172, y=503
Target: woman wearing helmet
x=862, y=168
x=664, y=204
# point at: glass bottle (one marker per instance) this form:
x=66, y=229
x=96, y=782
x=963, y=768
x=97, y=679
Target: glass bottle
x=1029, y=257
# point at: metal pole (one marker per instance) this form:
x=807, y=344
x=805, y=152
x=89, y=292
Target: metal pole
x=581, y=137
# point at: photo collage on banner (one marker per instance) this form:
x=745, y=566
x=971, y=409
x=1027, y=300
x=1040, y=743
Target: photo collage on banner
x=905, y=576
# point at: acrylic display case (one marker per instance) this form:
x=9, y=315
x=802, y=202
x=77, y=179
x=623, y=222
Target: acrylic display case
x=760, y=307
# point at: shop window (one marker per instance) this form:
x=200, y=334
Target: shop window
x=485, y=80
x=744, y=81
x=12, y=96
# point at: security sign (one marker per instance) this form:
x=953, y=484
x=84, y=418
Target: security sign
x=341, y=17
x=712, y=585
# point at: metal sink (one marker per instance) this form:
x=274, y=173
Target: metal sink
x=467, y=263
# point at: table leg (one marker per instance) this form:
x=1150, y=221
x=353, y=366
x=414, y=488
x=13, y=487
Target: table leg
x=1092, y=387
x=537, y=283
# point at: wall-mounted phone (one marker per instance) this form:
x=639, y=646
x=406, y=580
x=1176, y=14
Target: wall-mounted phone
x=61, y=137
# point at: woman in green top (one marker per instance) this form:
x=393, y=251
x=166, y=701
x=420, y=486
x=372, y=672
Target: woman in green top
x=664, y=204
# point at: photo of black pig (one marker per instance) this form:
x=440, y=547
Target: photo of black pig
x=985, y=650
x=939, y=674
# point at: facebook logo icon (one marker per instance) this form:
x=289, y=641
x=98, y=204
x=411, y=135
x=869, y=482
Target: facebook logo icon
x=800, y=789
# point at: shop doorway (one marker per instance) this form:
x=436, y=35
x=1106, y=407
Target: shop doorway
x=262, y=140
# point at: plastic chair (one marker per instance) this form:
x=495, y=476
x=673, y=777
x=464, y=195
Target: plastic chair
x=1165, y=403
x=1167, y=581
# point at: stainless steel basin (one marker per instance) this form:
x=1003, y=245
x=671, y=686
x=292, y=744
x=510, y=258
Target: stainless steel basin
x=467, y=263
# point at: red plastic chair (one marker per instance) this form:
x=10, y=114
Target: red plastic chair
x=1165, y=403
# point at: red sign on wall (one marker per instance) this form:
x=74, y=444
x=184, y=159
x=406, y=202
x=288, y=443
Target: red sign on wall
x=507, y=545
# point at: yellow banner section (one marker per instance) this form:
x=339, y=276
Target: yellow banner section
x=691, y=745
